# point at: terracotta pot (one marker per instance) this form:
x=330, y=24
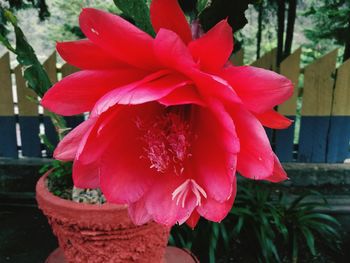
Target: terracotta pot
x=100, y=233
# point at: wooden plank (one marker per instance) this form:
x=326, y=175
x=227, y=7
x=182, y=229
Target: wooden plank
x=50, y=131
x=339, y=133
x=72, y=121
x=316, y=109
x=28, y=117
x=8, y=141
x=267, y=61
x=238, y=58
x=68, y=69
x=284, y=139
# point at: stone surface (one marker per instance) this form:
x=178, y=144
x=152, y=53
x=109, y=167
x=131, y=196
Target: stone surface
x=172, y=255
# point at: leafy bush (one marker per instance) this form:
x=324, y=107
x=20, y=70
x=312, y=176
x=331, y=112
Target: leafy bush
x=60, y=181
x=264, y=226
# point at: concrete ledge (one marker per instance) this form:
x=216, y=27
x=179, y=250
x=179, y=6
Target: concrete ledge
x=20, y=175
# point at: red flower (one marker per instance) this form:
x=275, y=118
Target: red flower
x=171, y=119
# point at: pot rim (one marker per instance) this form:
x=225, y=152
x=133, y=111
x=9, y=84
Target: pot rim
x=43, y=195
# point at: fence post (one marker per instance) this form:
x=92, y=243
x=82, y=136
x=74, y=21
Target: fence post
x=8, y=141
x=28, y=117
x=267, y=61
x=50, y=132
x=290, y=67
x=339, y=133
x=316, y=109
x=237, y=58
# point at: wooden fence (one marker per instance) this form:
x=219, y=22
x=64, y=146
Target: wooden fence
x=320, y=109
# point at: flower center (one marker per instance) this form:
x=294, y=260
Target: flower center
x=167, y=142
x=181, y=193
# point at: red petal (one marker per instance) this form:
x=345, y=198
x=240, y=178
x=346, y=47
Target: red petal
x=209, y=86
x=214, y=152
x=79, y=92
x=125, y=174
x=171, y=52
x=138, y=212
x=152, y=88
x=168, y=14
x=273, y=119
x=193, y=219
x=216, y=211
x=255, y=159
x=85, y=55
x=160, y=205
x=259, y=89
x=279, y=174
x=86, y=175
x=214, y=48
x=67, y=148
x=118, y=37
x=184, y=95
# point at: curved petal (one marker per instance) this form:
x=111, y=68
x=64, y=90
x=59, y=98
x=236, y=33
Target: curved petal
x=125, y=174
x=184, y=95
x=259, y=89
x=118, y=37
x=152, y=88
x=193, y=219
x=216, y=211
x=278, y=174
x=209, y=86
x=171, y=52
x=168, y=14
x=214, y=48
x=79, y=92
x=273, y=119
x=86, y=175
x=68, y=147
x=99, y=137
x=138, y=212
x=85, y=55
x=255, y=159
x=214, y=152
x=162, y=207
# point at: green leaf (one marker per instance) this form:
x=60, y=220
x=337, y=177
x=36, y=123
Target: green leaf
x=138, y=11
x=202, y=4
x=34, y=72
x=310, y=240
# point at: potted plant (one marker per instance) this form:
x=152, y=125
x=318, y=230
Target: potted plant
x=170, y=122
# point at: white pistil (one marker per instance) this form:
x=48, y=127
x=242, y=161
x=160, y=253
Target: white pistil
x=181, y=193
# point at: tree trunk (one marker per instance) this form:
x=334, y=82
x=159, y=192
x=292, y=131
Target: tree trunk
x=281, y=8
x=259, y=33
x=292, y=10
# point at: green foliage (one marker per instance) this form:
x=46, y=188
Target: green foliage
x=34, y=73
x=60, y=181
x=65, y=15
x=202, y=4
x=138, y=11
x=263, y=226
x=205, y=240
x=331, y=27
x=40, y=5
x=233, y=11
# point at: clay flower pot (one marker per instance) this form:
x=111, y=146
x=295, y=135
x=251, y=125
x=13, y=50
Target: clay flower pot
x=100, y=233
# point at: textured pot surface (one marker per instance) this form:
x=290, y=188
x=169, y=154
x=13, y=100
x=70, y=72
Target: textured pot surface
x=100, y=233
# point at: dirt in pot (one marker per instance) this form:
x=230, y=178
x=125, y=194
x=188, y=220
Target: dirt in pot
x=60, y=184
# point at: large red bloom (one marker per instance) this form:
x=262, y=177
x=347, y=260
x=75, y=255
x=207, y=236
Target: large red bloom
x=171, y=120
